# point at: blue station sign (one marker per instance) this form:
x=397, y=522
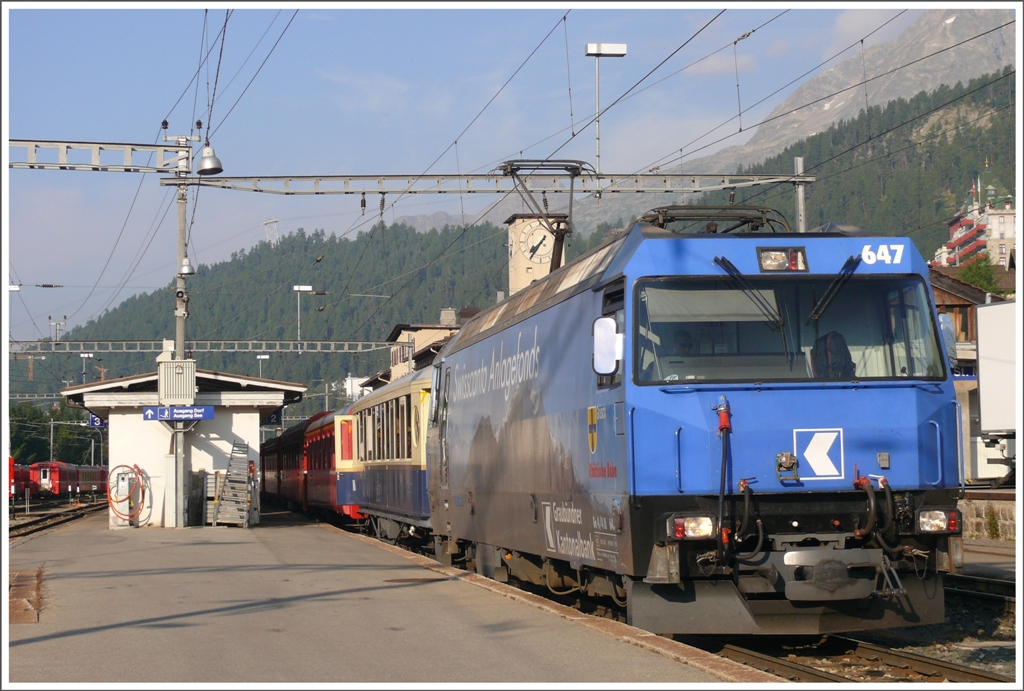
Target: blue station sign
x=273, y=418
x=178, y=413
x=97, y=422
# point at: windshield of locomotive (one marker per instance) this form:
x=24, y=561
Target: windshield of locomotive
x=784, y=329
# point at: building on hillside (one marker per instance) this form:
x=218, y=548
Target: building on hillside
x=981, y=226
x=351, y=388
x=416, y=345
x=1002, y=234
x=960, y=300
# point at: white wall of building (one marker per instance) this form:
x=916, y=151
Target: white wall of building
x=149, y=445
x=135, y=441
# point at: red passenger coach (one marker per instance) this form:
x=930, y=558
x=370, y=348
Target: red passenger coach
x=57, y=479
x=319, y=462
x=17, y=478
x=284, y=467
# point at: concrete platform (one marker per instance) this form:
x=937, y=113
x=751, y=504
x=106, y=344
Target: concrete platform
x=294, y=601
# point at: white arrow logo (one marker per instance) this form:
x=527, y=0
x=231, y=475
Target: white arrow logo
x=816, y=453
x=149, y=414
x=548, y=531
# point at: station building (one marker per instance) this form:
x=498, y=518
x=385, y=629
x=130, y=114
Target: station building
x=224, y=434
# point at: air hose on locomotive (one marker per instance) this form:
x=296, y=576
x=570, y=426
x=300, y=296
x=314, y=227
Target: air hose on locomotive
x=724, y=428
x=135, y=483
x=742, y=529
x=889, y=519
x=864, y=483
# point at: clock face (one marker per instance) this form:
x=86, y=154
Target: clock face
x=536, y=243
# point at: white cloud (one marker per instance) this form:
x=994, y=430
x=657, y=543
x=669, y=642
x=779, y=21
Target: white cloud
x=778, y=48
x=724, y=63
x=367, y=92
x=851, y=26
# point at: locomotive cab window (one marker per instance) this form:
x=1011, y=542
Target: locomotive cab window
x=613, y=305
x=780, y=329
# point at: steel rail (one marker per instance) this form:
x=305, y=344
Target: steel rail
x=36, y=525
x=787, y=669
x=930, y=666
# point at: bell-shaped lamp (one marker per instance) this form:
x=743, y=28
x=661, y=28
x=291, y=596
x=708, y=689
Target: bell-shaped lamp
x=186, y=268
x=209, y=164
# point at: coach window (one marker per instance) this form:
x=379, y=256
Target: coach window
x=371, y=433
x=393, y=436
x=415, y=438
x=613, y=305
x=403, y=416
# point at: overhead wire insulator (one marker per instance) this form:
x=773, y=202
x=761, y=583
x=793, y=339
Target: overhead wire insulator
x=382, y=204
x=362, y=204
x=544, y=197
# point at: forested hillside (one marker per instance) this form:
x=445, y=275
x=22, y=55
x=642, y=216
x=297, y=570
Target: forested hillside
x=904, y=169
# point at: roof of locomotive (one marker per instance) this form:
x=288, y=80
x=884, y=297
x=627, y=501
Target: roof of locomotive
x=577, y=275
x=618, y=251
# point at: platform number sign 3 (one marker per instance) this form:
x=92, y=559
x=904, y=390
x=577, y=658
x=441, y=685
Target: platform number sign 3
x=888, y=254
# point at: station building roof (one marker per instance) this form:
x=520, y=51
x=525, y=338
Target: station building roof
x=214, y=388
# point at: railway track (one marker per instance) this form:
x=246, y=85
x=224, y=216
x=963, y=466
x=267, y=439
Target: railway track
x=840, y=659
x=992, y=589
x=36, y=524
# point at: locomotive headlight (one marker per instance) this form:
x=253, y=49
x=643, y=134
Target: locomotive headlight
x=782, y=258
x=691, y=527
x=938, y=521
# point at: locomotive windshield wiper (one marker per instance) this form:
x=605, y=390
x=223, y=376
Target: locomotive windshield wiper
x=844, y=275
x=769, y=312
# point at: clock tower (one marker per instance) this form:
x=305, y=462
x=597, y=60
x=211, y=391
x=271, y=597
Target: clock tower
x=530, y=247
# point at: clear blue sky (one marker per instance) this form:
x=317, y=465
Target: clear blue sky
x=351, y=92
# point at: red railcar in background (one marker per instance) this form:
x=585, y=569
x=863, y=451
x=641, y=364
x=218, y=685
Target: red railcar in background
x=17, y=478
x=59, y=479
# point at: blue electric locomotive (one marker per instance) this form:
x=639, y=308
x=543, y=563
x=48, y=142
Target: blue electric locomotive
x=727, y=430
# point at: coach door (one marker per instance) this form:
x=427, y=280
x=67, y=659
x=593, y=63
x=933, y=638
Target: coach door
x=344, y=440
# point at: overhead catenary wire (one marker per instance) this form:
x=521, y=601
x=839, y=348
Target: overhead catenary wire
x=635, y=85
x=211, y=98
x=568, y=72
x=635, y=93
x=427, y=265
x=140, y=254
x=460, y=135
x=210, y=134
x=134, y=200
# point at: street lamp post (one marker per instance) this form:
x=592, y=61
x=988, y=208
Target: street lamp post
x=209, y=164
x=261, y=358
x=84, y=356
x=598, y=51
x=299, y=290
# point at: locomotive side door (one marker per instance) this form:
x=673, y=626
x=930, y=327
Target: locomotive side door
x=442, y=430
x=606, y=429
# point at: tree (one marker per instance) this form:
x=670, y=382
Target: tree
x=981, y=274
